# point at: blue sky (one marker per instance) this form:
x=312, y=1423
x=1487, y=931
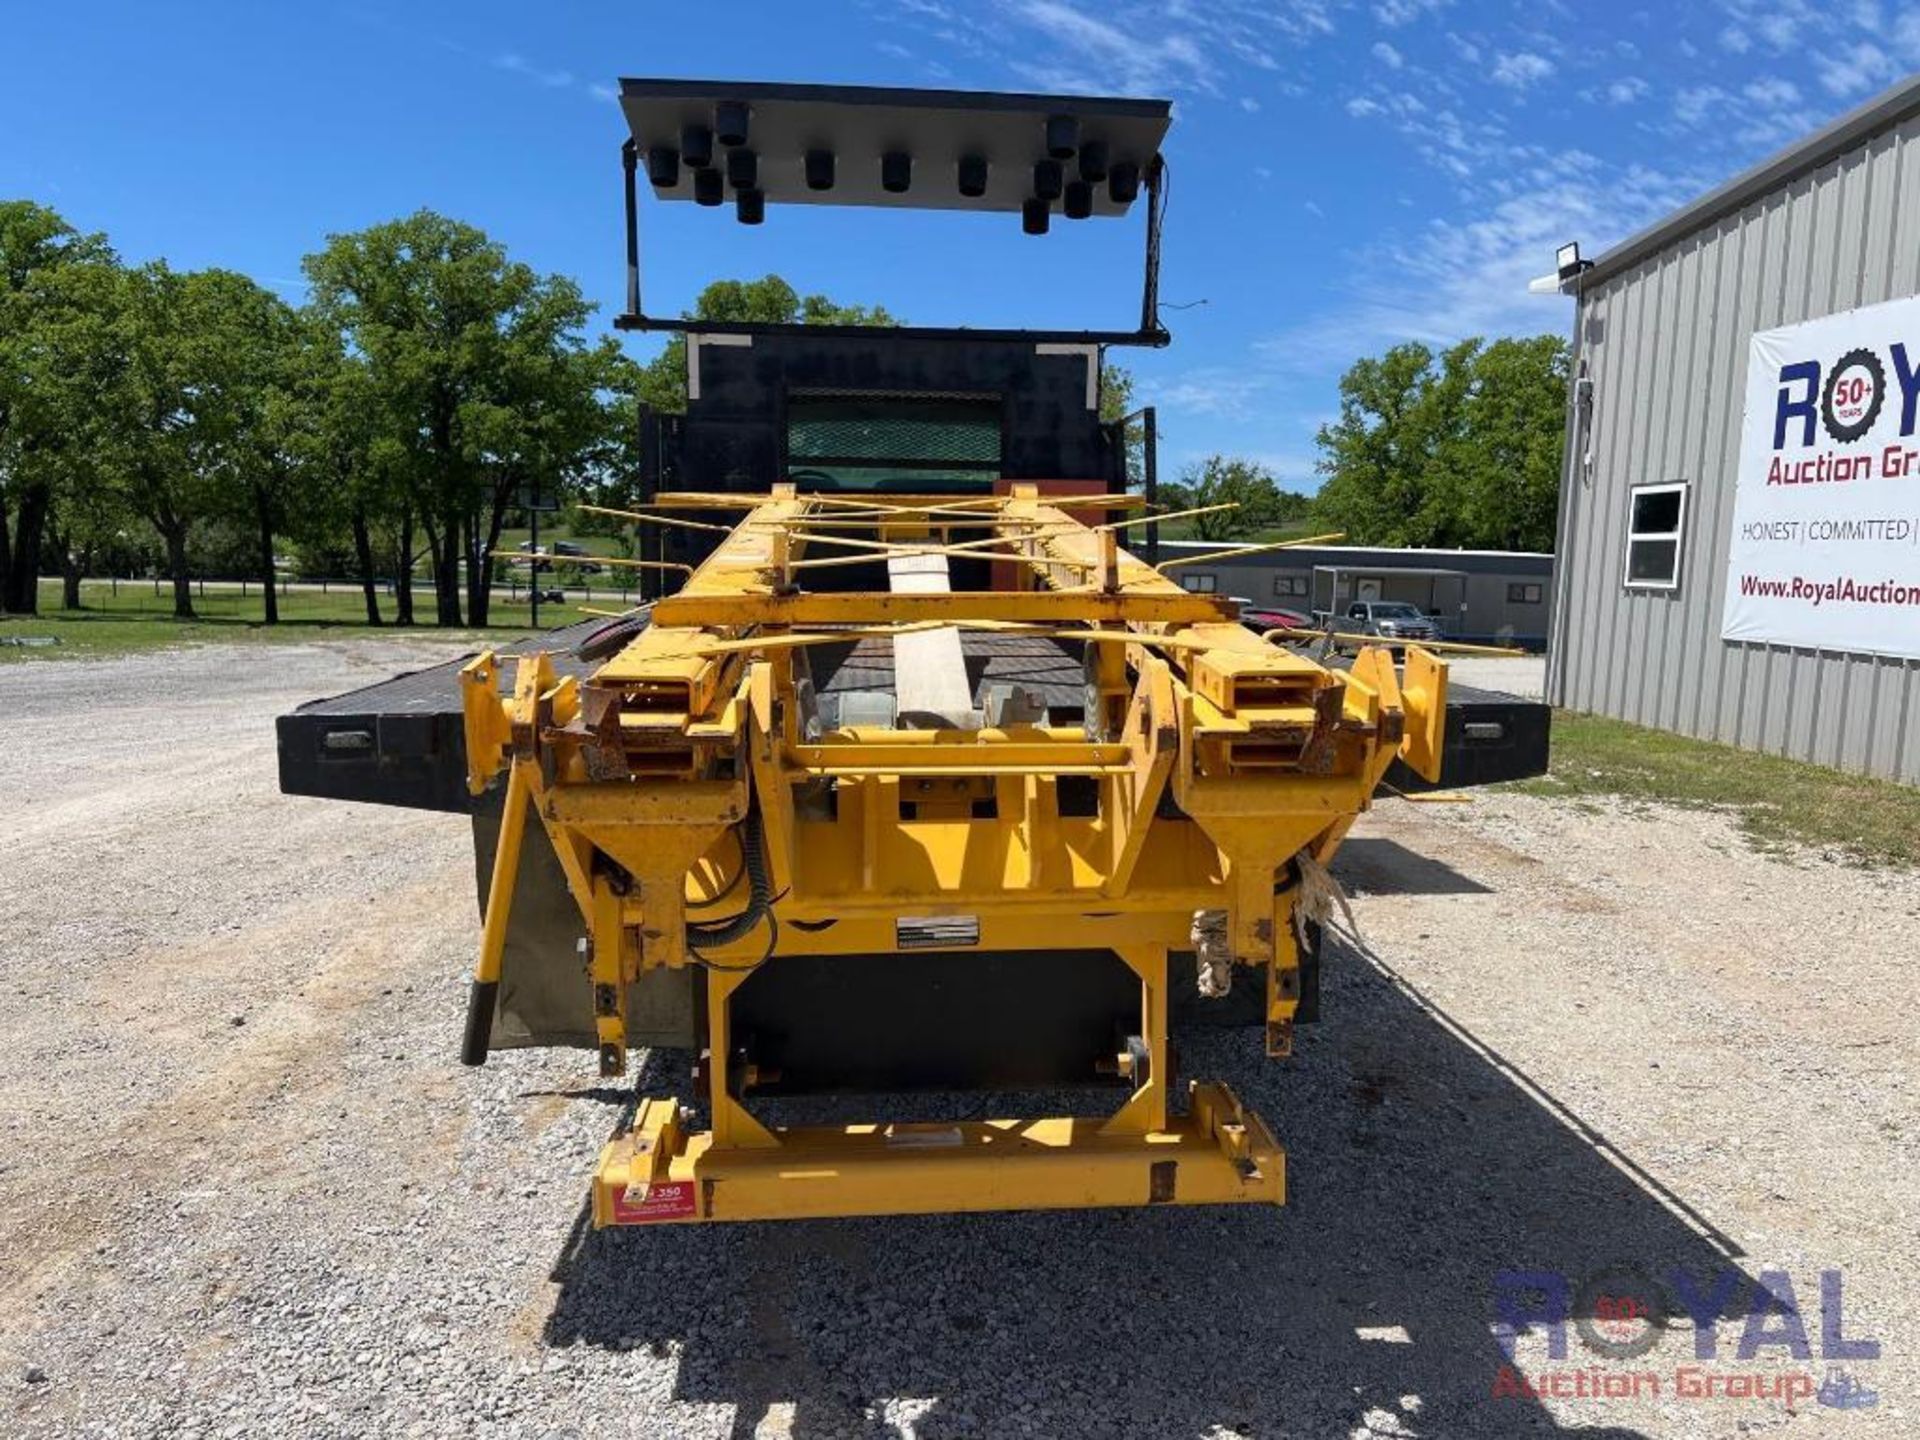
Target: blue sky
x=1346, y=173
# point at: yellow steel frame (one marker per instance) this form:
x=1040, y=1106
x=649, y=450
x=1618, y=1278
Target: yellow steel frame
x=640, y=773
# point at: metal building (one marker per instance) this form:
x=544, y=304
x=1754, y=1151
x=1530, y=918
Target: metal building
x=1497, y=596
x=1663, y=329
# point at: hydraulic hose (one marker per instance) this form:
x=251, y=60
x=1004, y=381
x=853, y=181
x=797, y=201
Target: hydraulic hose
x=753, y=859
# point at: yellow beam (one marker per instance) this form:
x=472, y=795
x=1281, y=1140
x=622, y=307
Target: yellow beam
x=1212, y=555
x=673, y=520
x=1219, y=1153
x=853, y=607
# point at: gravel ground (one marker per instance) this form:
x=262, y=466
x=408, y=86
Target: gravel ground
x=248, y=1191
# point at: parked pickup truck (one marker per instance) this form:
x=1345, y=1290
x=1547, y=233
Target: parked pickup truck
x=1394, y=621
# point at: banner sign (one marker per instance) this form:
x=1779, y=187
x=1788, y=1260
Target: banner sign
x=1826, y=510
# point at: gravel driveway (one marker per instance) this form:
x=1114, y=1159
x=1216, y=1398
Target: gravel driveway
x=248, y=1191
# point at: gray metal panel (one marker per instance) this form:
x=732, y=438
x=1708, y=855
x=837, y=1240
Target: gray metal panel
x=1663, y=333
x=858, y=123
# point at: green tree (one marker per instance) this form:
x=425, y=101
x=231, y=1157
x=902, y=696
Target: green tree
x=186, y=400
x=52, y=279
x=480, y=374
x=255, y=412
x=1460, y=449
x=1226, y=479
x=352, y=489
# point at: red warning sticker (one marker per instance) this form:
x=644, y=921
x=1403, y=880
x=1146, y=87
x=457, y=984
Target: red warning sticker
x=671, y=1201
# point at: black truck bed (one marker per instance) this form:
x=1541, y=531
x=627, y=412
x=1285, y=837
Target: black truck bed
x=400, y=741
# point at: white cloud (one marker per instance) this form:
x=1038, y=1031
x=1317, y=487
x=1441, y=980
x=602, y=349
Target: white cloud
x=1314, y=210
x=604, y=92
x=1771, y=91
x=1626, y=90
x=1735, y=39
x=1133, y=46
x=1452, y=279
x=1696, y=102
x=520, y=65
x=1249, y=104
x=1387, y=55
x=1854, y=68
x=1521, y=70
x=1404, y=12
x=1361, y=107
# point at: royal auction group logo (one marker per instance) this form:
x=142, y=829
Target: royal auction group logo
x=1845, y=398
x=1622, y=1315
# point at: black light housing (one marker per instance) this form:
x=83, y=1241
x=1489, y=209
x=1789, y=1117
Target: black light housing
x=973, y=176
x=709, y=186
x=663, y=166
x=696, y=146
x=1079, y=200
x=1063, y=136
x=743, y=169
x=1047, y=180
x=1568, y=262
x=1035, y=216
x=730, y=122
x=1093, y=161
x=750, y=205
x=896, y=172
x=1123, y=182
x=819, y=169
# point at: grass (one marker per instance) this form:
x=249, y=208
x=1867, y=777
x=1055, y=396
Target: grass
x=137, y=619
x=1777, y=803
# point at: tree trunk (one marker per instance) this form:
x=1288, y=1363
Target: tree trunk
x=363, y=555
x=264, y=510
x=73, y=568
x=479, y=580
x=176, y=538
x=481, y=606
x=403, y=572
x=22, y=594
x=6, y=555
x=446, y=573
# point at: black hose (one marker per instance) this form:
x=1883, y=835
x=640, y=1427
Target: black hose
x=753, y=859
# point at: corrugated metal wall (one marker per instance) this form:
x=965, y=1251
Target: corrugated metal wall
x=1665, y=344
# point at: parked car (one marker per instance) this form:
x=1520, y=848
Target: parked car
x=578, y=553
x=562, y=551
x=1394, y=621
x=1262, y=618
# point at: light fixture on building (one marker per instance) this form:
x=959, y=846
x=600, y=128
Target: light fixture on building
x=1567, y=261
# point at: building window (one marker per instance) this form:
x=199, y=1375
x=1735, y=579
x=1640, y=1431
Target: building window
x=1198, y=584
x=1524, y=593
x=1656, y=521
x=1289, y=586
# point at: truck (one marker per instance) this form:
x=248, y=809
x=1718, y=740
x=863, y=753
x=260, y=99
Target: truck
x=1394, y=622
x=914, y=772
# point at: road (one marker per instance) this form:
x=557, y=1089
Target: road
x=247, y=1189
